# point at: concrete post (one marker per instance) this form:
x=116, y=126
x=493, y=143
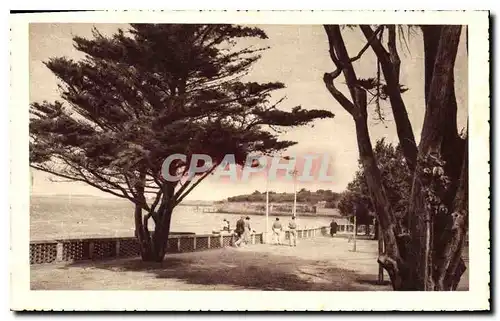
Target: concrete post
x=91, y=250
x=117, y=248
x=59, y=251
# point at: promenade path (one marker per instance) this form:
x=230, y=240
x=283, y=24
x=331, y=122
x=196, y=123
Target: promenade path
x=321, y=263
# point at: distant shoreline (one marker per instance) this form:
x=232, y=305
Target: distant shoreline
x=204, y=204
x=277, y=214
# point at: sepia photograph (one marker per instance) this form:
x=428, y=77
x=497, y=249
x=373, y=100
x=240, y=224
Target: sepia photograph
x=278, y=157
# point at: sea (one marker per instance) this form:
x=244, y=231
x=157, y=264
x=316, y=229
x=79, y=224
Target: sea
x=58, y=217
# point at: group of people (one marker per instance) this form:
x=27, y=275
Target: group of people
x=243, y=231
x=278, y=231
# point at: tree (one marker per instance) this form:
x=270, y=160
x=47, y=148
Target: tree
x=357, y=108
x=396, y=180
x=354, y=203
x=429, y=256
x=438, y=206
x=150, y=92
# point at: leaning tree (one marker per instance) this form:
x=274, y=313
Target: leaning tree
x=153, y=91
x=428, y=255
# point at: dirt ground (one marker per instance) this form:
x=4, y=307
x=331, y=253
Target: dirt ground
x=319, y=264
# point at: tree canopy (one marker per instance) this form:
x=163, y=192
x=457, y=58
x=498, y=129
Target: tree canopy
x=152, y=91
x=396, y=179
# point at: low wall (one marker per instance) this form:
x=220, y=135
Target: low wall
x=73, y=250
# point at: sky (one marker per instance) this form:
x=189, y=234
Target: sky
x=298, y=57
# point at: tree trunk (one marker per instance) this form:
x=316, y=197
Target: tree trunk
x=429, y=210
x=391, y=260
x=431, y=35
x=376, y=230
x=153, y=245
x=162, y=229
x=142, y=234
x=451, y=265
x=141, y=223
x=452, y=144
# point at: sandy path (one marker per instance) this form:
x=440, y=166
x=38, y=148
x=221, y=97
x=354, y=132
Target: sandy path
x=322, y=263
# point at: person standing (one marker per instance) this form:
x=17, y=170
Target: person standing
x=277, y=228
x=240, y=229
x=333, y=228
x=247, y=231
x=292, y=229
x=225, y=226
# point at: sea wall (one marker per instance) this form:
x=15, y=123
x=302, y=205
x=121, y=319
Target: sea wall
x=85, y=249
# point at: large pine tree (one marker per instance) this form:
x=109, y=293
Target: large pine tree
x=152, y=91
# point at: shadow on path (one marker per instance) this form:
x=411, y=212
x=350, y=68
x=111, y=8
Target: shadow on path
x=238, y=269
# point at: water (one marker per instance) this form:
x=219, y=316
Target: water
x=73, y=217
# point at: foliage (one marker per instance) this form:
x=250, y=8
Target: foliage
x=303, y=196
x=396, y=180
x=156, y=90
x=152, y=91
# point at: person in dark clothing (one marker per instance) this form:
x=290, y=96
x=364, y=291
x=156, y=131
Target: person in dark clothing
x=240, y=229
x=333, y=228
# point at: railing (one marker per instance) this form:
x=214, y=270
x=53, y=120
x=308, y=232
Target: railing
x=72, y=250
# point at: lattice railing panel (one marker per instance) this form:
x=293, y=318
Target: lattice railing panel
x=129, y=248
x=104, y=249
x=202, y=243
x=172, y=245
x=187, y=244
x=43, y=253
x=227, y=240
x=75, y=251
x=215, y=242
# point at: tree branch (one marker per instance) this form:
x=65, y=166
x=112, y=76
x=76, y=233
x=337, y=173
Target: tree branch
x=179, y=199
x=368, y=44
x=393, y=52
x=328, y=79
x=391, y=75
x=76, y=179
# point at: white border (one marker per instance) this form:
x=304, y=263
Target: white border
x=474, y=299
